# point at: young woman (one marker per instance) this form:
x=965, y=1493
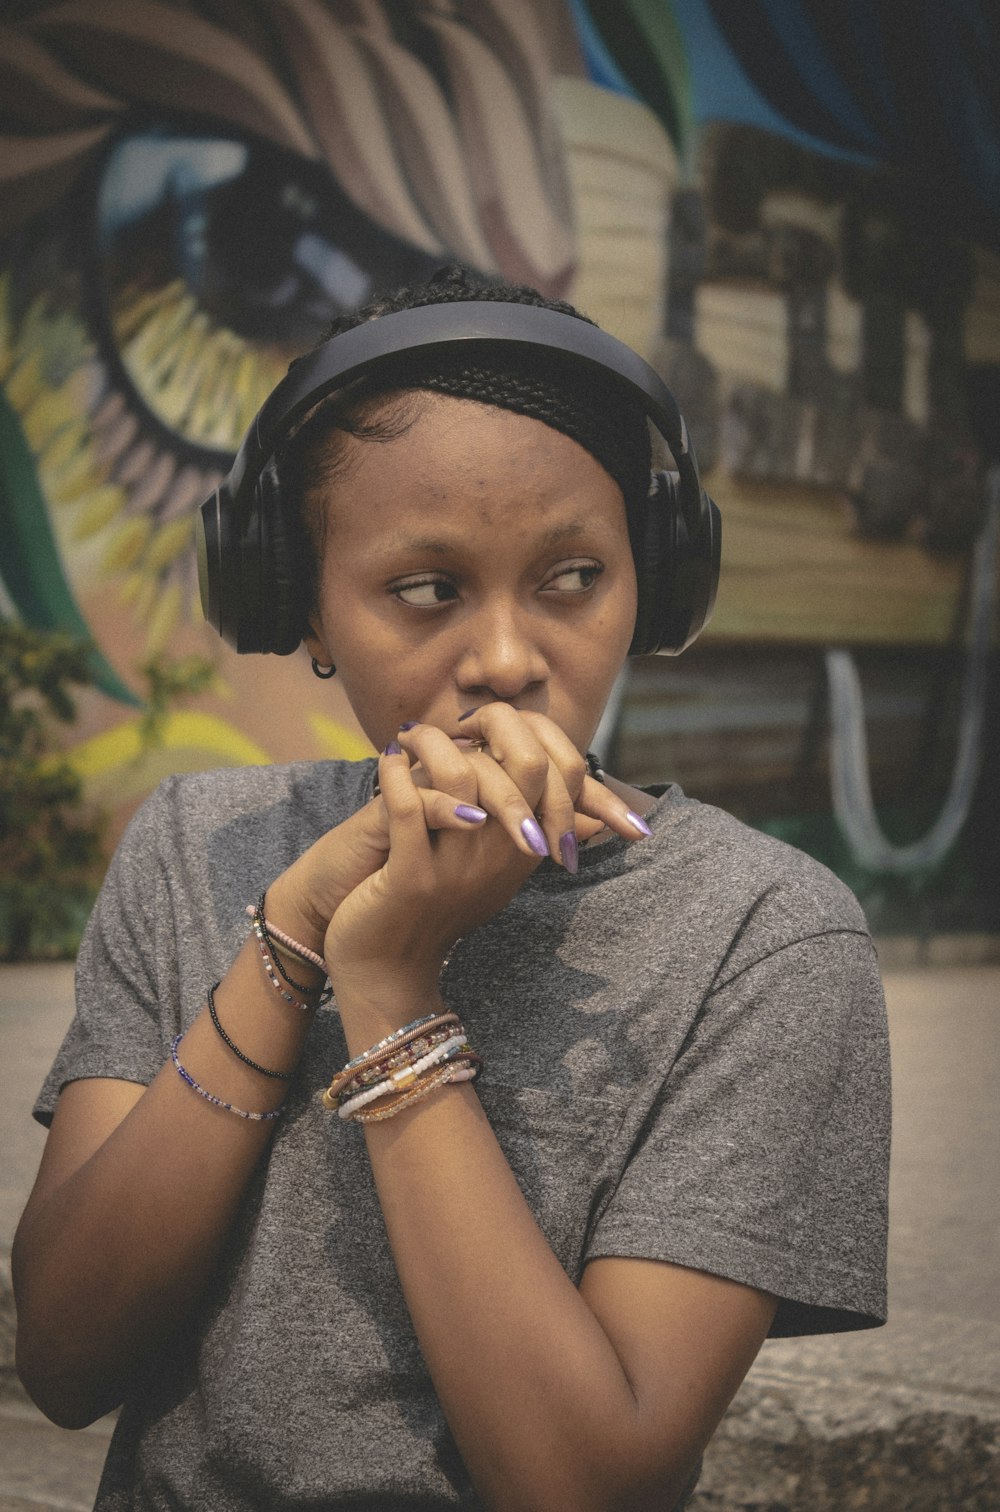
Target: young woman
x=537, y=1287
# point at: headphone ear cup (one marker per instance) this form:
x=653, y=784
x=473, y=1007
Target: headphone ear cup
x=676, y=575
x=279, y=615
x=653, y=549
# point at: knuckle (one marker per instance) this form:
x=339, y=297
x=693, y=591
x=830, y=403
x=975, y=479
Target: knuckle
x=534, y=768
x=408, y=806
x=514, y=805
x=574, y=772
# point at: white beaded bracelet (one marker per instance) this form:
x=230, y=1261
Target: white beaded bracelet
x=398, y=1081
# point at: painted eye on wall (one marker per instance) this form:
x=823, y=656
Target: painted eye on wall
x=218, y=261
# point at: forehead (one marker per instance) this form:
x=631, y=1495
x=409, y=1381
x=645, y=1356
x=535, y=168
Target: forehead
x=431, y=454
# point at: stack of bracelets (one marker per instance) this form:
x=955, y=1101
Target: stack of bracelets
x=402, y=1069
x=273, y=943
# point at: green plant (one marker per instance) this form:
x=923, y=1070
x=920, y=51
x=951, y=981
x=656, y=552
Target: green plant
x=51, y=858
x=168, y=679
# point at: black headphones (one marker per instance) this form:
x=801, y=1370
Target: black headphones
x=250, y=590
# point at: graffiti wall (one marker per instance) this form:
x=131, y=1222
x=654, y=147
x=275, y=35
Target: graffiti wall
x=191, y=189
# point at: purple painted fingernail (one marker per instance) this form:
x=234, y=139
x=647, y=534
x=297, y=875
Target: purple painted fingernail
x=468, y=713
x=637, y=823
x=569, y=851
x=532, y=832
x=410, y=724
x=470, y=813
x=393, y=749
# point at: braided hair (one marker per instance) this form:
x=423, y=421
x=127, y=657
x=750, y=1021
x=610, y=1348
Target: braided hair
x=549, y=387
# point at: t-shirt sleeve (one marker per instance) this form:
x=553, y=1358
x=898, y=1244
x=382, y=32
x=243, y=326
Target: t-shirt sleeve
x=116, y=1031
x=765, y=1156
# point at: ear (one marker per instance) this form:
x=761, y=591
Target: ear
x=315, y=642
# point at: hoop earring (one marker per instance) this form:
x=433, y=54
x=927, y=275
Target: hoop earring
x=323, y=672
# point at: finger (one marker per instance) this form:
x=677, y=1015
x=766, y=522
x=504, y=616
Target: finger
x=598, y=802
x=590, y=797
x=526, y=743
x=512, y=743
x=445, y=763
x=567, y=772
x=503, y=799
x=409, y=837
x=470, y=774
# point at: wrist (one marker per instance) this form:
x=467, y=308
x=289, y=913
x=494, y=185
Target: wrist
x=371, y=1007
x=293, y=914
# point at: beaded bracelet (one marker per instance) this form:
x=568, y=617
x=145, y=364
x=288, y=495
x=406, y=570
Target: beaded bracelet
x=406, y=1076
x=219, y=1102
x=398, y=1035
x=397, y=1056
x=379, y=1052
x=293, y=946
x=272, y=976
x=254, y=1065
x=439, y=1078
x=302, y=951
x=307, y=990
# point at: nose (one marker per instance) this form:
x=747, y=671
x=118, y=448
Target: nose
x=501, y=655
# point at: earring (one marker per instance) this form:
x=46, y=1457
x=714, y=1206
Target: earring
x=323, y=672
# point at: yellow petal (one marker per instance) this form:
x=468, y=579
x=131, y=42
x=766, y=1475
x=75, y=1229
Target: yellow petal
x=127, y=544
x=24, y=382
x=168, y=543
x=99, y=508
x=164, y=619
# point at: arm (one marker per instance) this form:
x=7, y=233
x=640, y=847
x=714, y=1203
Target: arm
x=138, y=1186
x=559, y=1399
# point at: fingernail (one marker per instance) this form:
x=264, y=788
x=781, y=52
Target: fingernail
x=637, y=823
x=470, y=813
x=532, y=832
x=393, y=749
x=468, y=713
x=411, y=724
x=569, y=851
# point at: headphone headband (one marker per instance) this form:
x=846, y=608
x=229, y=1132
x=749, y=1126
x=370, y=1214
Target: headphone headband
x=443, y=327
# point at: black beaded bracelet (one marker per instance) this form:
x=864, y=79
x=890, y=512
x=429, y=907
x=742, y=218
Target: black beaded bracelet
x=254, y=1066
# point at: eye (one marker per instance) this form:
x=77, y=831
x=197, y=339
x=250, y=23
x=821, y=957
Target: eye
x=217, y=260
x=425, y=594
x=575, y=579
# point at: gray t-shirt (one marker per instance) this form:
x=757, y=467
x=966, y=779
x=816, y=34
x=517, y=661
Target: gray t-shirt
x=685, y=1060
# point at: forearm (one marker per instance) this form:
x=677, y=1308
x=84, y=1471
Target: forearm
x=532, y=1389
x=108, y=1260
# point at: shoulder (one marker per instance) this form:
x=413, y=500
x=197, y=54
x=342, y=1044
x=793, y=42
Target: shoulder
x=720, y=852
x=751, y=889
x=230, y=792
x=233, y=795
x=243, y=817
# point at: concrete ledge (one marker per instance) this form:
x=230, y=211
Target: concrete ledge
x=764, y=1458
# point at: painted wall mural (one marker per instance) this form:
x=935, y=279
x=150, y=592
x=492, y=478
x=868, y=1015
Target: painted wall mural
x=191, y=189
x=188, y=194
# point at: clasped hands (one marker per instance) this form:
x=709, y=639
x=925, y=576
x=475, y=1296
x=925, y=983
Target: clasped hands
x=459, y=825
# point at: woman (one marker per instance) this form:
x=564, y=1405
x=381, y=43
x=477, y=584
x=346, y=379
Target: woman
x=539, y=1288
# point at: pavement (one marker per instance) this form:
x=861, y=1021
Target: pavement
x=903, y=1419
